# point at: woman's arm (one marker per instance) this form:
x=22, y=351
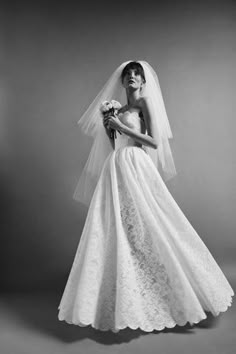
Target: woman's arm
x=108, y=132
x=148, y=114
x=139, y=137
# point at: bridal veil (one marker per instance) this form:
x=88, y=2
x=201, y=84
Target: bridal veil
x=91, y=124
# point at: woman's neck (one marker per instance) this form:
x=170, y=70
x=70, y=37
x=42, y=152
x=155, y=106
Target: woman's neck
x=132, y=97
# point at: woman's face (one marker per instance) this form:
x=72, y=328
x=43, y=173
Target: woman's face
x=132, y=79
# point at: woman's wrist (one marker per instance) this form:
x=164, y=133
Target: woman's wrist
x=123, y=128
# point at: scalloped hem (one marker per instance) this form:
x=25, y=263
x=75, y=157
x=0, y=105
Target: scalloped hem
x=81, y=324
x=116, y=330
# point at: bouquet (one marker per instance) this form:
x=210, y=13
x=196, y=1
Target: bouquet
x=110, y=108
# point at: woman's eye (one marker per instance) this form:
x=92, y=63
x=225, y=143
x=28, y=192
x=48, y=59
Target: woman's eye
x=129, y=73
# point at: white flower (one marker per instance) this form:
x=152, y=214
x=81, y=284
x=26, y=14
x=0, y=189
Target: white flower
x=105, y=106
x=116, y=104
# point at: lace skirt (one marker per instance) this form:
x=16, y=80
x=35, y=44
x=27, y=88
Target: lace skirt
x=139, y=262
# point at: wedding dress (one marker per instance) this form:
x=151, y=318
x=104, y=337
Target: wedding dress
x=139, y=262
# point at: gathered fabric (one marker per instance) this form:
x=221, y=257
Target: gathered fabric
x=139, y=262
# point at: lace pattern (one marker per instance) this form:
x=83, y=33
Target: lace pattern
x=139, y=262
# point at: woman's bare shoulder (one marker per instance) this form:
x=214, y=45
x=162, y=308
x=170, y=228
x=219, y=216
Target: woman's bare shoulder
x=144, y=100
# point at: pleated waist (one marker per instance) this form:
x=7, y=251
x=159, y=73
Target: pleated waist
x=124, y=141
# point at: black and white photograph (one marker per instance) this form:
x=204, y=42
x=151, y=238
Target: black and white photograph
x=118, y=163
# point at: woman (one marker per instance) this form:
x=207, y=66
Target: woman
x=139, y=262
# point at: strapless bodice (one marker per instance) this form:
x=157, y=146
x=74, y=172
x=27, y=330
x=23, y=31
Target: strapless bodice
x=132, y=120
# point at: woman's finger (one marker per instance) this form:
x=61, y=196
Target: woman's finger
x=105, y=119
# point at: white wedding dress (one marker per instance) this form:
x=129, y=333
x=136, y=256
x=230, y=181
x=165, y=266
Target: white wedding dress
x=139, y=262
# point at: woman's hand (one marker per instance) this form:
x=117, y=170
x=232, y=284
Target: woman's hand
x=105, y=119
x=113, y=122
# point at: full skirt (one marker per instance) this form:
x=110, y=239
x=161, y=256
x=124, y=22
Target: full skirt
x=139, y=262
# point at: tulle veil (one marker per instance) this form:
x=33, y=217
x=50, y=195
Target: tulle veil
x=91, y=124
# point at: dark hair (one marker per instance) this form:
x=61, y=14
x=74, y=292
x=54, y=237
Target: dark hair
x=133, y=65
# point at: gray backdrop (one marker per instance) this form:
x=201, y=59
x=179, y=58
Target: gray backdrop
x=55, y=59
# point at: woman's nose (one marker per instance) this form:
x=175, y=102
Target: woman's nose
x=131, y=75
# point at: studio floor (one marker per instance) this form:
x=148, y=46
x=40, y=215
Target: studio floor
x=29, y=325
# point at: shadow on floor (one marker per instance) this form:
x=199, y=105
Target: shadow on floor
x=39, y=312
